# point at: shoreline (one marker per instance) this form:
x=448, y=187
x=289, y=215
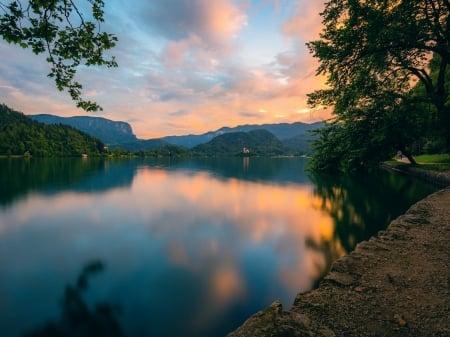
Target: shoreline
x=395, y=284
x=441, y=179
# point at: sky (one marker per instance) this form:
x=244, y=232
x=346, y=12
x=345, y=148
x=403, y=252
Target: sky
x=186, y=67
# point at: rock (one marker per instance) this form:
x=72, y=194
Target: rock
x=341, y=279
x=399, y=320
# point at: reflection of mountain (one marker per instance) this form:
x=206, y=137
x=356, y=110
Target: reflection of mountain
x=273, y=170
x=20, y=176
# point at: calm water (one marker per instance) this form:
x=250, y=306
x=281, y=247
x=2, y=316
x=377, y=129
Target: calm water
x=189, y=248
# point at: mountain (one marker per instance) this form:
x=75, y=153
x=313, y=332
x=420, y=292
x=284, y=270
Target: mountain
x=21, y=135
x=295, y=136
x=255, y=142
x=300, y=144
x=110, y=132
x=282, y=131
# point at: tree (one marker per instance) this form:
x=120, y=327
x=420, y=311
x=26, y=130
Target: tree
x=20, y=134
x=60, y=29
x=373, y=54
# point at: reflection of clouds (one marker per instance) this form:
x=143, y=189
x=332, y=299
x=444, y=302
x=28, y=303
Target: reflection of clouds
x=226, y=283
x=219, y=230
x=2, y=226
x=177, y=254
x=263, y=214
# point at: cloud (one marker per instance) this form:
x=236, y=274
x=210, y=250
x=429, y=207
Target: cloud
x=178, y=113
x=305, y=22
x=197, y=33
x=212, y=21
x=24, y=85
x=250, y=114
x=222, y=19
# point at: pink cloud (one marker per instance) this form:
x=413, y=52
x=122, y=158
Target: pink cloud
x=222, y=19
x=305, y=23
x=207, y=33
x=176, y=53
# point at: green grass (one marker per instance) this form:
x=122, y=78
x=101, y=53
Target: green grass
x=433, y=158
x=434, y=162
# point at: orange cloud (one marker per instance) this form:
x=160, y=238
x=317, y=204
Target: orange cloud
x=223, y=19
x=305, y=23
x=207, y=35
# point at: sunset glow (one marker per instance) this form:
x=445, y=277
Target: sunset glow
x=187, y=67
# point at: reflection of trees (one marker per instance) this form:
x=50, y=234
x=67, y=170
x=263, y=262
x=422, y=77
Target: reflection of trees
x=360, y=206
x=19, y=176
x=77, y=319
x=331, y=251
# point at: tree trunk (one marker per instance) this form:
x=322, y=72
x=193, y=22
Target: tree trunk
x=408, y=155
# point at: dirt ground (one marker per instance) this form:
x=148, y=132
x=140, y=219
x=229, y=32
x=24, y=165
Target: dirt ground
x=396, y=284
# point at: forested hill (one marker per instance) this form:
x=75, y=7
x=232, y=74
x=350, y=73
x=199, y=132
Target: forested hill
x=283, y=131
x=21, y=135
x=110, y=132
x=256, y=142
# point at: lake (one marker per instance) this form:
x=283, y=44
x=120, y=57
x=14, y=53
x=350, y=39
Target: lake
x=175, y=247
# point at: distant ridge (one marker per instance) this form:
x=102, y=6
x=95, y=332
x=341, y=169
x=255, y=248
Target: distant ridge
x=283, y=131
x=110, y=132
x=295, y=137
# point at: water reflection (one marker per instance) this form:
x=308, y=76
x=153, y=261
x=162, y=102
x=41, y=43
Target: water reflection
x=20, y=176
x=77, y=318
x=192, y=248
x=360, y=206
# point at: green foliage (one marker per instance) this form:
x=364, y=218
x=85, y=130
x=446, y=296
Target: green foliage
x=108, y=131
x=118, y=153
x=300, y=144
x=19, y=135
x=374, y=53
x=168, y=151
x=18, y=176
x=58, y=28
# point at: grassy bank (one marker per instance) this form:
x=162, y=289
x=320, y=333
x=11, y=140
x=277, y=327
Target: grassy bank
x=435, y=162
